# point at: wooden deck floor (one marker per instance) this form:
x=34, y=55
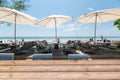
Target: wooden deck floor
x=60, y=70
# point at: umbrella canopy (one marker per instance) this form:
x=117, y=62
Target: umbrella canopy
x=55, y=20
x=9, y=15
x=100, y=16
x=16, y=17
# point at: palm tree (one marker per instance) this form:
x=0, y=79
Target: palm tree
x=117, y=23
x=15, y=4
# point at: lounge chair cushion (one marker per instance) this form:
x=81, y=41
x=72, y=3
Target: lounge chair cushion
x=6, y=56
x=78, y=56
x=42, y=56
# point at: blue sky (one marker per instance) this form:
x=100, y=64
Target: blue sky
x=75, y=8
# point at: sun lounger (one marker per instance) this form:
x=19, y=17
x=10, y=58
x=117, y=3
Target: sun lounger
x=4, y=50
x=6, y=56
x=89, y=52
x=28, y=45
x=41, y=44
x=42, y=56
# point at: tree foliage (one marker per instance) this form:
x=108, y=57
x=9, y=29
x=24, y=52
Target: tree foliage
x=15, y=4
x=117, y=23
x=3, y=3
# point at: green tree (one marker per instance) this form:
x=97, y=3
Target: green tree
x=15, y=4
x=3, y=3
x=117, y=23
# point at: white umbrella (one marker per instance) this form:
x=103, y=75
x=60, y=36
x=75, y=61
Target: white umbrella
x=55, y=20
x=16, y=17
x=100, y=16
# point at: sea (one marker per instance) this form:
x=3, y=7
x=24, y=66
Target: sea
x=62, y=39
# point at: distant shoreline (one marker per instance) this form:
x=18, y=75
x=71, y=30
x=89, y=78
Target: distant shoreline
x=64, y=39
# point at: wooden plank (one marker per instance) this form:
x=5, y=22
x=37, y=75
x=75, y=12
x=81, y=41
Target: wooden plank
x=104, y=56
x=62, y=68
x=58, y=79
x=62, y=75
x=56, y=62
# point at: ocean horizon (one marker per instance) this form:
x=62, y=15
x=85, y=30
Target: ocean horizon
x=25, y=37
x=82, y=38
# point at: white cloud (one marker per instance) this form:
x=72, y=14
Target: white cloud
x=52, y=27
x=85, y=28
x=90, y=9
x=71, y=28
x=111, y=29
x=71, y=25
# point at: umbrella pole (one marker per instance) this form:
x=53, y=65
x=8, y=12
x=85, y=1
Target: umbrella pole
x=15, y=29
x=95, y=29
x=55, y=29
